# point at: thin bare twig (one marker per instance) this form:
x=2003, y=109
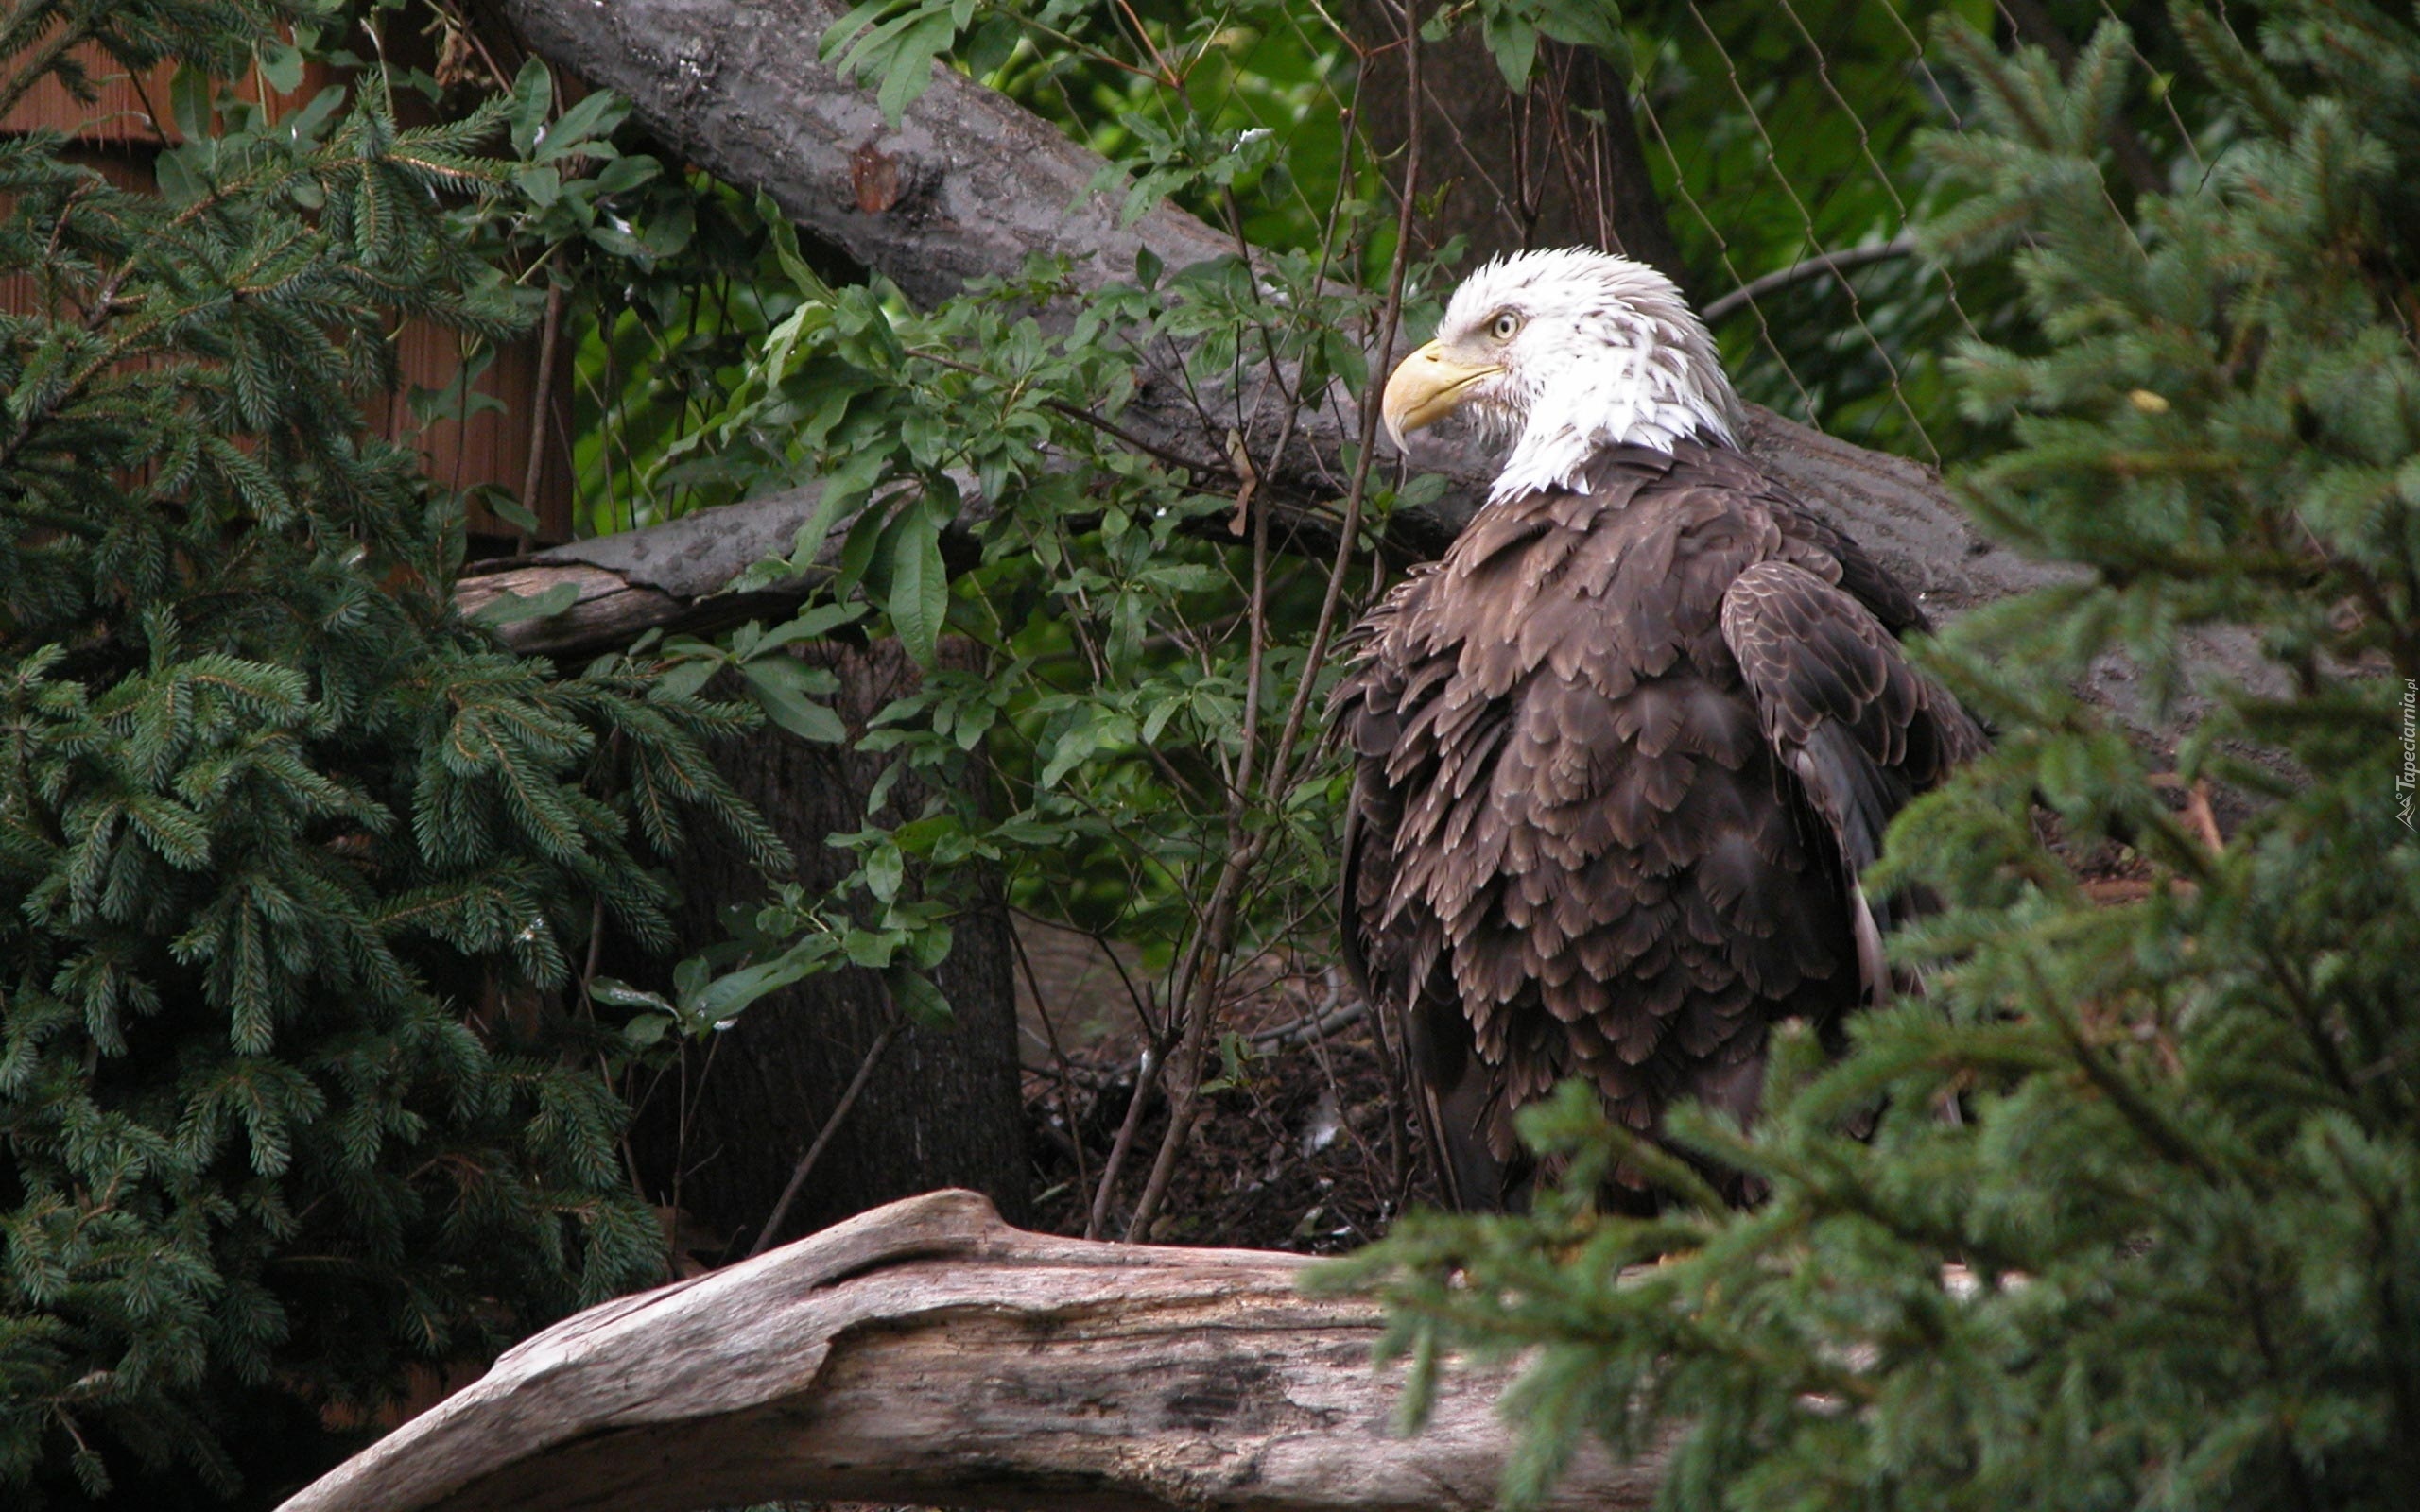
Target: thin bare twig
x=1831, y=262
x=1058, y=1056
x=1146, y=1070
x=543, y=402
x=1312, y=1027
x=1193, y=979
x=823, y=1138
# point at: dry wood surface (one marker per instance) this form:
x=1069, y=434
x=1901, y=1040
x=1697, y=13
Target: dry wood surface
x=929, y=1353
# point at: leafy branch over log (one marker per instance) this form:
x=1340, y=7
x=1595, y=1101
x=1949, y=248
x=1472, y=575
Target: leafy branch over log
x=970, y=186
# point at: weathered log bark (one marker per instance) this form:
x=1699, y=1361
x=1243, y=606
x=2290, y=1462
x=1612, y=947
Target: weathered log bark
x=927, y=1353
x=968, y=186
x=668, y=576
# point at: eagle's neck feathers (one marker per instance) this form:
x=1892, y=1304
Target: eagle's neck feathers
x=1654, y=389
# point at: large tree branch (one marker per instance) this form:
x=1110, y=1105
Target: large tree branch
x=971, y=185
x=670, y=576
x=927, y=1353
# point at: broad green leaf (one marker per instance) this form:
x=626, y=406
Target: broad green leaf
x=932, y=946
x=668, y=231
x=807, y=546
x=614, y=992
x=870, y=948
x=841, y=33
x=533, y=95
x=189, y=102
x=308, y=123
x=685, y=678
x=919, y=999
x=1345, y=360
x=886, y=871
x=1586, y=23
x=627, y=173
x=813, y=623
x=543, y=185
x=281, y=67
x=787, y=670
x=991, y=45
x=911, y=69
x=865, y=543
x=786, y=705
x=512, y=511
x=725, y=997
x=583, y=128
x=1513, y=43
x=918, y=601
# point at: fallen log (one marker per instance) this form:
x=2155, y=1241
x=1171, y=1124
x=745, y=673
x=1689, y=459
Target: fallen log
x=927, y=1353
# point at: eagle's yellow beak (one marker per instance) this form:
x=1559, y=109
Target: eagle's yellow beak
x=1428, y=386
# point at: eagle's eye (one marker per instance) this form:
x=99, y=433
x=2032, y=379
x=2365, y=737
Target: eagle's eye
x=1504, y=325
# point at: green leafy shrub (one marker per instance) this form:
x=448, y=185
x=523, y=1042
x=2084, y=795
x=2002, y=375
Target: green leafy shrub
x=2168, y=1254
x=297, y=863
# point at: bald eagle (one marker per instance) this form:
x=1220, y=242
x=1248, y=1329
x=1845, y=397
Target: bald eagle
x=1621, y=756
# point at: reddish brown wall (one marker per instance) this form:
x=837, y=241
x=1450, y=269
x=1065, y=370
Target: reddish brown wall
x=117, y=136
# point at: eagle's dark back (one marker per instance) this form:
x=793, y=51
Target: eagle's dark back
x=1619, y=757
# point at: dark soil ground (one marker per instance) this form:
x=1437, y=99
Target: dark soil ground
x=1299, y=1148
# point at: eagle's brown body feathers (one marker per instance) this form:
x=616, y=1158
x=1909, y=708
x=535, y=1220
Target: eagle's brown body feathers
x=1622, y=755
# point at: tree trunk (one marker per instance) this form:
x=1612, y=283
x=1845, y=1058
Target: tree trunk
x=940, y=1107
x=1556, y=164
x=929, y=1354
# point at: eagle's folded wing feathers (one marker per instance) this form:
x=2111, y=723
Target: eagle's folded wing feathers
x=1859, y=727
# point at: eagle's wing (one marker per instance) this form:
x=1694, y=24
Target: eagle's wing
x=1860, y=729
x=1458, y=1096
x=1864, y=579
x=1400, y=968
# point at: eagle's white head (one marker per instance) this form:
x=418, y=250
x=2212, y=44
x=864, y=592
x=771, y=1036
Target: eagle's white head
x=1568, y=352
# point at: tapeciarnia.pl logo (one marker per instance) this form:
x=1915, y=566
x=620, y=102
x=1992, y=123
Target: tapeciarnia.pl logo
x=2406, y=779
